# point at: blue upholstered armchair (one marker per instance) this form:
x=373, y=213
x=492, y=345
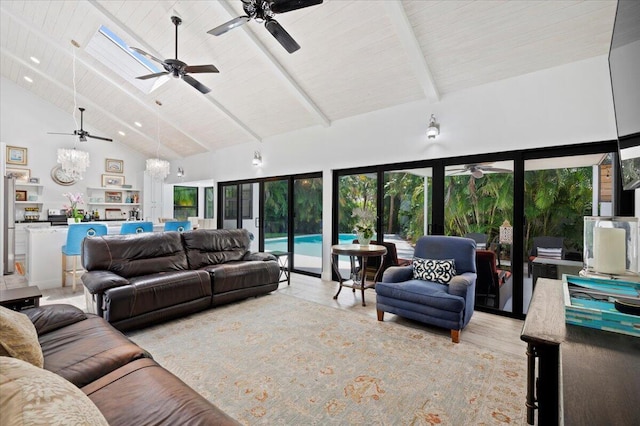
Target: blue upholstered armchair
x=447, y=305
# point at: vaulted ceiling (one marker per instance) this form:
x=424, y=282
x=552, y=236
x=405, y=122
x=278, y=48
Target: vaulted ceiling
x=356, y=56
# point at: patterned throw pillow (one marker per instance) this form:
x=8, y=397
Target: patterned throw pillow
x=440, y=271
x=18, y=337
x=34, y=396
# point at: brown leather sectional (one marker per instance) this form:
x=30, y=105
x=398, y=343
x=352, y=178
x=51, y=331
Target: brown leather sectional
x=141, y=279
x=120, y=378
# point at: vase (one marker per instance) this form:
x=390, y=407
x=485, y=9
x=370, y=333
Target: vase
x=362, y=240
x=72, y=220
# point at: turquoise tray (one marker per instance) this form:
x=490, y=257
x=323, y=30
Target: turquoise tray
x=600, y=314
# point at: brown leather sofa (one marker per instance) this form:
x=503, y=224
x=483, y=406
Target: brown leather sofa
x=141, y=279
x=120, y=378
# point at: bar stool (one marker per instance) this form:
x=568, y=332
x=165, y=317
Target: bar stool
x=76, y=233
x=179, y=226
x=136, y=227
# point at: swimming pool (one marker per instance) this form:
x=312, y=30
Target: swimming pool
x=307, y=245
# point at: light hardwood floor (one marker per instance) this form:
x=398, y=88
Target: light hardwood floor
x=485, y=330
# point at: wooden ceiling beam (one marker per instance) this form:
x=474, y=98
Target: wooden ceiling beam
x=418, y=62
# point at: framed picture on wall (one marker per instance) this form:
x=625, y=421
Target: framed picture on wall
x=113, y=197
x=108, y=180
x=113, y=166
x=20, y=175
x=16, y=155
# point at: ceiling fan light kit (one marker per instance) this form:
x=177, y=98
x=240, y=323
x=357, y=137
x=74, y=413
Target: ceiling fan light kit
x=265, y=11
x=177, y=68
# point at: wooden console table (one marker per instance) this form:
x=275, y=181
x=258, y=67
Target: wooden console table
x=356, y=251
x=584, y=376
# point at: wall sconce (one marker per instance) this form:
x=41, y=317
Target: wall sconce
x=257, y=158
x=180, y=172
x=434, y=128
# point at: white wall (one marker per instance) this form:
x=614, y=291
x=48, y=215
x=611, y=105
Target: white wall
x=25, y=120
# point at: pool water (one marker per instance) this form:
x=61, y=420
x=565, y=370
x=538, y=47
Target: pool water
x=307, y=245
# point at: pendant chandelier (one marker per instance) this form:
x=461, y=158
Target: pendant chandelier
x=72, y=161
x=157, y=168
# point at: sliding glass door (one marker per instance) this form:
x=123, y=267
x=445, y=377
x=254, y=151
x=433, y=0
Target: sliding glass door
x=307, y=224
x=479, y=204
x=282, y=214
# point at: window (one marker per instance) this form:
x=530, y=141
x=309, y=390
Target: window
x=231, y=202
x=208, y=202
x=185, y=202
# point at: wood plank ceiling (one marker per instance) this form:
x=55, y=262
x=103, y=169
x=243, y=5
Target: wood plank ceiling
x=357, y=56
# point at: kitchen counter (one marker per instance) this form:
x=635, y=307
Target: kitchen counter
x=43, y=260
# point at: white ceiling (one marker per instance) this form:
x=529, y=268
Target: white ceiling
x=356, y=56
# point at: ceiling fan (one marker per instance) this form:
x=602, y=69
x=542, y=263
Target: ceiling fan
x=478, y=170
x=83, y=134
x=177, y=68
x=265, y=10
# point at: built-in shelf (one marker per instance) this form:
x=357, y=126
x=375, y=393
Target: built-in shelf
x=28, y=202
x=114, y=204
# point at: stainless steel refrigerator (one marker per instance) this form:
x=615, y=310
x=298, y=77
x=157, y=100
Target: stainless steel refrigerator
x=9, y=225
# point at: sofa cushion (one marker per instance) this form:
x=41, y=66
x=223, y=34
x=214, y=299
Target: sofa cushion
x=232, y=276
x=30, y=396
x=154, y=292
x=422, y=293
x=160, y=398
x=551, y=253
x=440, y=271
x=19, y=338
x=134, y=255
x=83, y=351
x=214, y=246
x=51, y=317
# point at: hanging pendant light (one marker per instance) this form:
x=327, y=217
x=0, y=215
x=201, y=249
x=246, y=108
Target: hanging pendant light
x=72, y=161
x=157, y=168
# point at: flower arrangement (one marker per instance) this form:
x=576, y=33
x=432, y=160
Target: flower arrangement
x=72, y=209
x=365, y=224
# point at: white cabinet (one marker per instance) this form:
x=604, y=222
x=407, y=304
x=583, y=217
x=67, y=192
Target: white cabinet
x=28, y=201
x=21, y=235
x=152, y=200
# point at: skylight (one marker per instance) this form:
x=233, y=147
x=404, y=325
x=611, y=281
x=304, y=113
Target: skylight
x=114, y=53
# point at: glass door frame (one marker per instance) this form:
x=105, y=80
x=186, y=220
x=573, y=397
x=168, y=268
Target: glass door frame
x=290, y=209
x=622, y=200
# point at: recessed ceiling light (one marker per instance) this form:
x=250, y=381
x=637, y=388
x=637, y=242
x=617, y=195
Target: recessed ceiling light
x=34, y=60
x=137, y=124
x=121, y=133
x=29, y=79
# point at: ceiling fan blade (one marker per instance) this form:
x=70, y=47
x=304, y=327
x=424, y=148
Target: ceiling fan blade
x=98, y=137
x=235, y=22
x=148, y=76
x=146, y=55
x=55, y=133
x=282, y=6
x=200, y=68
x=195, y=83
x=281, y=35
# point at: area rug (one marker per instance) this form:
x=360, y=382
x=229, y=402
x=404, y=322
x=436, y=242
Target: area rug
x=278, y=359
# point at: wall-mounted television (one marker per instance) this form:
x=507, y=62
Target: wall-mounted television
x=624, y=69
